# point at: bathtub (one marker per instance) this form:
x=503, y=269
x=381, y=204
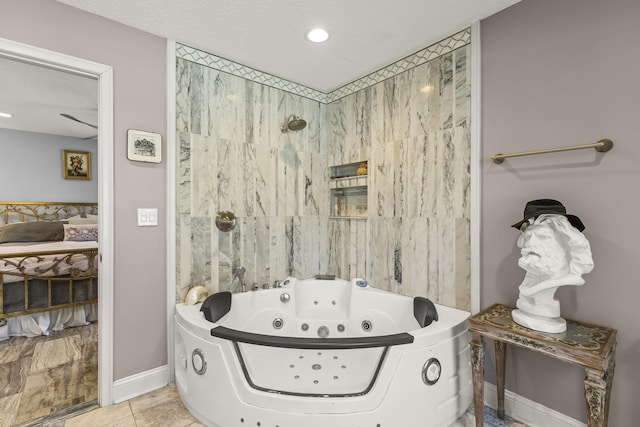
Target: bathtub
x=322, y=352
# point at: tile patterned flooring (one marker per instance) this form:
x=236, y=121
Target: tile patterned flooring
x=490, y=419
x=46, y=374
x=161, y=407
x=51, y=381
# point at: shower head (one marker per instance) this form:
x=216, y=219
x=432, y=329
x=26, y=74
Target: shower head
x=294, y=123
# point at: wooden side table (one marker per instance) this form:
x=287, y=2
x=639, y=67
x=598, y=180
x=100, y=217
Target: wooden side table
x=590, y=346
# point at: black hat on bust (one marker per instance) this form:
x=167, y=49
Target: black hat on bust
x=535, y=208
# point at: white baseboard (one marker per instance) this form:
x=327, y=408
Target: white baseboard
x=527, y=411
x=138, y=384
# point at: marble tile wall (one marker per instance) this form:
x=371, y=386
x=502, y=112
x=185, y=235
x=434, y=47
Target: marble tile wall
x=413, y=128
x=234, y=156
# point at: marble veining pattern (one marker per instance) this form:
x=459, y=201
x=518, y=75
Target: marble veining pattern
x=233, y=156
x=233, y=68
x=434, y=51
x=44, y=375
x=412, y=127
x=418, y=181
x=425, y=55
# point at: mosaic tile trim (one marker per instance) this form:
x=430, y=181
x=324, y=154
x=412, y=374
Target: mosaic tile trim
x=445, y=46
x=239, y=70
x=427, y=54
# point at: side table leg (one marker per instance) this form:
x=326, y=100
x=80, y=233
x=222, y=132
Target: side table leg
x=501, y=350
x=610, y=370
x=597, y=392
x=477, y=364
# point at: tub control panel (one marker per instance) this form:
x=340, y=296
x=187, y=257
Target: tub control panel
x=431, y=371
x=198, y=361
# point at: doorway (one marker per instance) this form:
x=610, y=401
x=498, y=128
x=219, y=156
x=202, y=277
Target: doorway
x=104, y=76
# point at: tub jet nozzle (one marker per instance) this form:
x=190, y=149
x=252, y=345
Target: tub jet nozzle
x=323, y=332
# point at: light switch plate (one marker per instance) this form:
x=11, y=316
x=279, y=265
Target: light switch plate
x=147, y=217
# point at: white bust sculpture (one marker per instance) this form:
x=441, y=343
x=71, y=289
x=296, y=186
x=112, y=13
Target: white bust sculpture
x=554, y=253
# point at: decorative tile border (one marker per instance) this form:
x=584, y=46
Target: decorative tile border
x=425, y=55
x=447, y=45
x=239, y=70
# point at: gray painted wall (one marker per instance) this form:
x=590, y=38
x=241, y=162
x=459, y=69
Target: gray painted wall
x=139, y=63
x=554, y=73
x=558, y=73
x=31, y=168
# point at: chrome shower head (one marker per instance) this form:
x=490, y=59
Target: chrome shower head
x=294, y=123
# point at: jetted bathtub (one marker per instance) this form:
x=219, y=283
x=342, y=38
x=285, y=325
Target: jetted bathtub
x=322, y=353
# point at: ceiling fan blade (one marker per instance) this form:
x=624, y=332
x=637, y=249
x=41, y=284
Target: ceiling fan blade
x=90, y=137
x=70, y=117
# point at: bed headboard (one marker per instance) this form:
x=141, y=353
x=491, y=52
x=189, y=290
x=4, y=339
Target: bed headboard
x=11, y=212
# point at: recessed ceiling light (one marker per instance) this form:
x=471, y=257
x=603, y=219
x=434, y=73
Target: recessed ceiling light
x=7, y=115
x=318, y=35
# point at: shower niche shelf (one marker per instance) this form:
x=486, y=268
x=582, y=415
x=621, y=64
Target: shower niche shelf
x=348, y=190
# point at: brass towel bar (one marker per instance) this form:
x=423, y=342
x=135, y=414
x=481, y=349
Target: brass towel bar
x=601, y=146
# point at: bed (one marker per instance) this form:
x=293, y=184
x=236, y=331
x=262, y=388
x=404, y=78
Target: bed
x=48, y=266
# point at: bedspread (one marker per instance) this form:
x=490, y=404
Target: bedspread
x=40, y=263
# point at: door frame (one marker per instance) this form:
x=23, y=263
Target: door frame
x=104, y=75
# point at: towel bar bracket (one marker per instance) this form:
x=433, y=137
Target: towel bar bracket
x=606, y=145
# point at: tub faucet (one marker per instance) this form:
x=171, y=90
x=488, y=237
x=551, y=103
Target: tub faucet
x=239, y=273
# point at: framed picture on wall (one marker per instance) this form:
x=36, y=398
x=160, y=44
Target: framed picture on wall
x=144, y=146
x=76, y=164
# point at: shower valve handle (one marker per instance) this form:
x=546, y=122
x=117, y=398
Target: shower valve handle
x=239, y=272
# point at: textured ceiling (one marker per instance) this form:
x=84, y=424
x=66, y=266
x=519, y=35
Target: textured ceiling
x=36, y=96
x=269, y=35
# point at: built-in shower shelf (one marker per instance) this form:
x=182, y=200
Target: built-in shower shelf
x=355, y=218
x=348, y=181
x=348, y=170
x=348, y=189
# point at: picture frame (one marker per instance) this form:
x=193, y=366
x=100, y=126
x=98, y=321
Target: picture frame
x=76, y=164
x=144, y=146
